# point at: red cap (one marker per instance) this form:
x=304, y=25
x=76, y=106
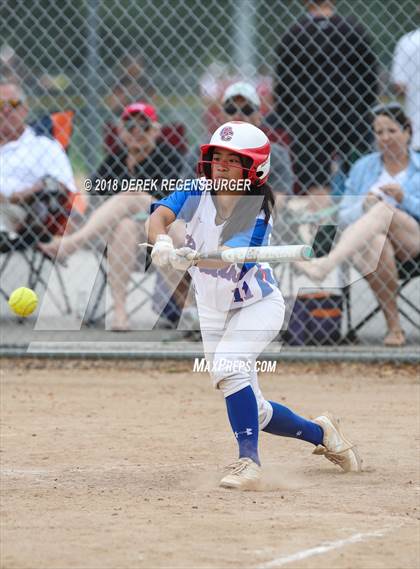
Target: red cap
x=147, y=110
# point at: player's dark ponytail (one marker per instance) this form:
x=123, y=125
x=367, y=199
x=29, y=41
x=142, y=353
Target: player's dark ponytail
x=255, y=200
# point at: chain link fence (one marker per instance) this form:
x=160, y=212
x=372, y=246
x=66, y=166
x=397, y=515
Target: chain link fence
x=314, y=72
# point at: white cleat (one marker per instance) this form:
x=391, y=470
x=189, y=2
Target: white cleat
x=243, y=474
x=335, y=447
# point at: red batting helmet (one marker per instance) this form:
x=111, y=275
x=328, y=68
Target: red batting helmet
x=243, y=139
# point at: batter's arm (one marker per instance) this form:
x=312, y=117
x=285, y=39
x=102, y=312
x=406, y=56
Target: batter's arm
x=158, y=222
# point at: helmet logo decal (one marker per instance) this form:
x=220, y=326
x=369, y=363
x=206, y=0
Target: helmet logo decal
x=226, y=134
x=262, y=168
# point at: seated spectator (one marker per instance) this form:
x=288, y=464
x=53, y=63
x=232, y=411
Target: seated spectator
x=144, y=156
x=142, y=153
x=29, y=163
x=242, y=103
x=381, y=212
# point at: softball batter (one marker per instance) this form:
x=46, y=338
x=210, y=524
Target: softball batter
x=240, y=307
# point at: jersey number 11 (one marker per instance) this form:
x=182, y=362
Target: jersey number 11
x=241, y=294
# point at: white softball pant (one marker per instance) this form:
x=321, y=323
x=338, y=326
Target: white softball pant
x=233, y=341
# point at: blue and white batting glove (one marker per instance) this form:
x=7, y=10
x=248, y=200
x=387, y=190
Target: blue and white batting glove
x=183, y=258
x=162, y=251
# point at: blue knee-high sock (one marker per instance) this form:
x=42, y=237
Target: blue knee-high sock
x=242, y=410
x=287, y=424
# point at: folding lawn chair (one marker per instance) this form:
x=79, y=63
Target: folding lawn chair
x=407, y=271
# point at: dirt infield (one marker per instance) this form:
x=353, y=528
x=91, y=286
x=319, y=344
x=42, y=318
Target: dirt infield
x=115, y=465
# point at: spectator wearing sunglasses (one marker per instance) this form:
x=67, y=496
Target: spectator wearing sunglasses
x=380, y=214
x=118, y=219
x=143, y=154
x=241, y=102
x=29, y=163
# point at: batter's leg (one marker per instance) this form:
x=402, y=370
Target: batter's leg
x=248, y=332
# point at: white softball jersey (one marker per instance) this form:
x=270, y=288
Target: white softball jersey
x=237, y=285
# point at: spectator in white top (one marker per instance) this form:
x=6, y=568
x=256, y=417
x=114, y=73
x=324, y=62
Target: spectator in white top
x=405, y=76
x=29, y=163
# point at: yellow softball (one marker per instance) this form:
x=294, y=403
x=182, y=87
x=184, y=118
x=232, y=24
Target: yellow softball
x=23, y=301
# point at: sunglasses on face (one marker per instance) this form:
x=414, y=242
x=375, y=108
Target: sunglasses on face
x=232, y=109
x=12, y=103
